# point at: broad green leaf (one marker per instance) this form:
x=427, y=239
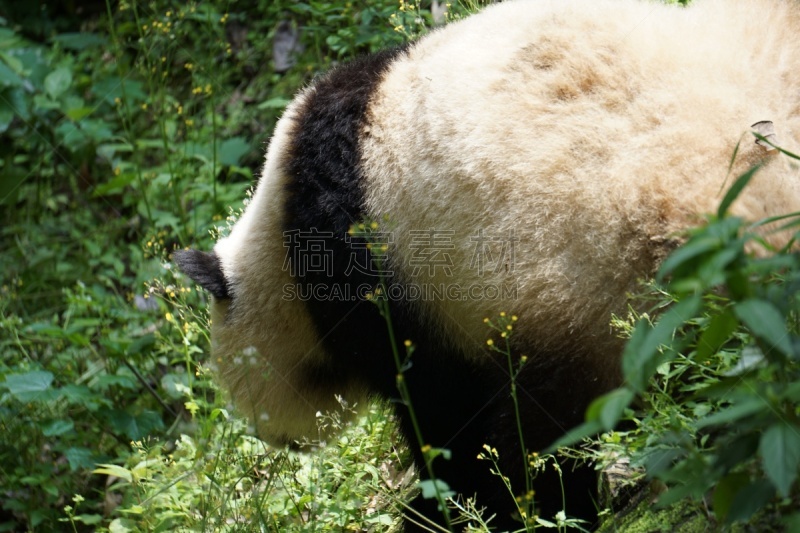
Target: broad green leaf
x=736, y=189
x=711, y=271
x=57, y=427
x=129, y=90
x=725, y=491
x=780, y=454
x=643, y=355
x=80, y=458
x=80, y=394
x=80, y=41
x=661, y=459
x=232, y=150
x=8, y=78
x=8, y=37
x=274, y=103
x=430, y=487
x=738, y=410
x=97, y=130
x=105, y=381
x=29, y=386
x=42, y=102
x=750, y=499
x=175, y=384
x=109, y=150
x=677, y=493
x=122, y=525
x=141, y=344
x=115, y=185
x=576, y=434
x=78, y=113
x=216, y=413
x=10, y=180
x=114, y=470
x=89, y=519
x=57, y=82
x=717, y=332
x=687, y=252
x=145, y=469
x=134, y=427
x=766, y=323
x=608, y=408
x=736, y=452
x=750, y=358
x=6, y=111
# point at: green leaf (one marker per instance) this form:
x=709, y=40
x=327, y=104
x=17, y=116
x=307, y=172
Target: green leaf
x=80, y=394
x=176, y=385
x=643, y=355
x=725, y=491
x=115, y=185
x=608, y=408
x=122, y=525
x=736, y=452
x=79, y=458
x=78, y=113
x=686, y=253
x=661, y=459
x=718, y=331
x=765, y=322
x=737, y=411
x=274, y=103
x=576, y=434
x=141, y=344
x=114, y=470
x=750, y=499
x=57, y=427
x=736, y=189
x=111, y=87
x=430, y=487
x=8, y=78
x=98, y=130
x=6, y=111
x=29, y=386
x=232, y=150
x=105, y=381
x=57, y=82
x=135, y=427
x=89, y=519
x=11, y=177
x=780, y=454
x=79, y=41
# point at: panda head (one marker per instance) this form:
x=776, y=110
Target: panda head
x=265, y=348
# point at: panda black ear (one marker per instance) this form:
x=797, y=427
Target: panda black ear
x=205, y=269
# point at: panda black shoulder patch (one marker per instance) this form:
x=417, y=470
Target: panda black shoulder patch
x=326, y=185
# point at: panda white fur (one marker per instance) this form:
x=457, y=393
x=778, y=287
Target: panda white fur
x=589, y=132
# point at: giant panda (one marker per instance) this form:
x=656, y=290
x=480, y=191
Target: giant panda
x=538, y=158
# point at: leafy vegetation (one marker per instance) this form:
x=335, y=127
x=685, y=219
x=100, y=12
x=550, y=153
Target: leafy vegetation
x=717, y=374
x=128, y=129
